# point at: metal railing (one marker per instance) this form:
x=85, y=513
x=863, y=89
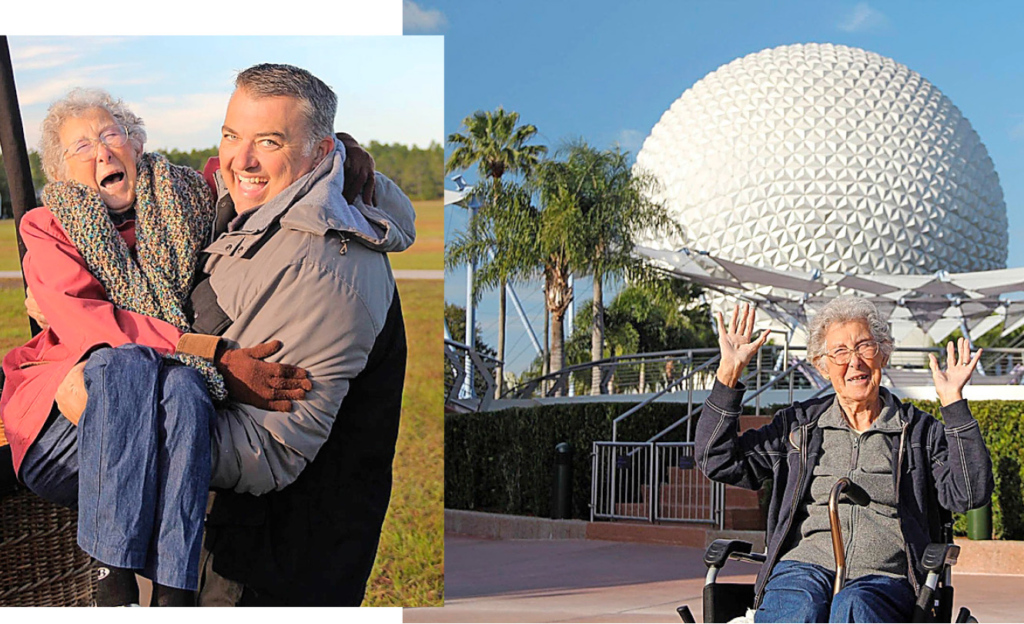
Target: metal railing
x=683, y=493
x=625, y=374
x=475, y=394
x=654, y=482
x=663, y=372
x=620, y=488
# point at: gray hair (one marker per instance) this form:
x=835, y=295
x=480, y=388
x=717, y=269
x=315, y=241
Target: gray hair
x=75, y=103
x=316, y=100
x=844, y=310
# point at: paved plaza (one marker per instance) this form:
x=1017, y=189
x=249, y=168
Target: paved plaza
x=596, y=581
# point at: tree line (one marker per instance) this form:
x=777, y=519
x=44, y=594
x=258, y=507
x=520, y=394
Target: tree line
x=417, y=171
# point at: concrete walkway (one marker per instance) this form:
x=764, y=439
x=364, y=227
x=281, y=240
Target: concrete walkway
x=595, y=581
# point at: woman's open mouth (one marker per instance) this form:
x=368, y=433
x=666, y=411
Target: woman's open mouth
x=112, y=179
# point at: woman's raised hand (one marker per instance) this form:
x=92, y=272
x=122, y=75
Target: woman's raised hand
x=736, y=344
x=950, y=383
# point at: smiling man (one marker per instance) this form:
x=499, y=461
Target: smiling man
x=301, y=495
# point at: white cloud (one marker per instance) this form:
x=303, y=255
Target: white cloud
x=46, y=55
x=631, y=140
x=102, y=76
x=419, y=21
x=1017, y=132
x=43, y=57
x=863, y=18
x=183, y=122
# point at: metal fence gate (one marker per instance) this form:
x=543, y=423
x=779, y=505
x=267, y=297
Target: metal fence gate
x=652, y=481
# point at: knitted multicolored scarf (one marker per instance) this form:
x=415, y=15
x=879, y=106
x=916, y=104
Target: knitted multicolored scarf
x=174, y=212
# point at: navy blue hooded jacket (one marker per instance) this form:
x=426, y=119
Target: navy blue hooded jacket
x=935, y=465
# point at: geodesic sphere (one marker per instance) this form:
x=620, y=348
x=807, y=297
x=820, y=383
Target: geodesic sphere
x=827, y=157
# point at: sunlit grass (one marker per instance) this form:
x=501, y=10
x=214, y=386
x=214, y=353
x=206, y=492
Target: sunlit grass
x=428, y=250
x=8, y=246
x=410, y=561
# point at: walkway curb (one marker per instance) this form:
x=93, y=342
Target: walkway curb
x=502, y=526
x=976, y=557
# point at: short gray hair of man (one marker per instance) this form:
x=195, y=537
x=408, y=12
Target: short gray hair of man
x=317, y=101
x=844, y=310
x=76, y=103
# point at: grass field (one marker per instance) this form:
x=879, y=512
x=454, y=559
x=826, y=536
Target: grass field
x=428, y=250
x=410, y=561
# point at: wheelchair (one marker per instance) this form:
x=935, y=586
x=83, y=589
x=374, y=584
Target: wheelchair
x=726, y=601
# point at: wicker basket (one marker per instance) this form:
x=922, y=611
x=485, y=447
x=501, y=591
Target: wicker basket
x=40, y=561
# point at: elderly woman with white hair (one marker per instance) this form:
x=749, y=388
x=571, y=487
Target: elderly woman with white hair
x=908, y=463
x=110, y=261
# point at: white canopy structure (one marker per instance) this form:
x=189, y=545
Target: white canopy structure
x=936, y=303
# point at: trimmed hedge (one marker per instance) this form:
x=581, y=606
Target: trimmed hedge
x=504, y=461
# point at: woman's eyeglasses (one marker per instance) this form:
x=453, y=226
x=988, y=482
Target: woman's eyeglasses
x=85, y=149
x=865, y=351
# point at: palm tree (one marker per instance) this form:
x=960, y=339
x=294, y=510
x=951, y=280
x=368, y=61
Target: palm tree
x=501, y=239
x=607, y=208
x=558, y=220
x=497, y=145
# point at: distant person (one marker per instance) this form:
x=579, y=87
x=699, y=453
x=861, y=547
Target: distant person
x=907, y=462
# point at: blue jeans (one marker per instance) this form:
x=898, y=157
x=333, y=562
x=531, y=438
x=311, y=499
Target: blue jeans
x=138, y=464
x=802, y=592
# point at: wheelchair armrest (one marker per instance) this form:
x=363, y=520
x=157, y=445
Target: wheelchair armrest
x=721, y=549
x=937, y=556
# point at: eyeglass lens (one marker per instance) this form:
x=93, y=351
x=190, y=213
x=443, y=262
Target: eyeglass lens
x=85, y=149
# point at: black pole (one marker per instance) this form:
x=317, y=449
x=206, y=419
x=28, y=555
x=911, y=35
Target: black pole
x=12, y=143
x=561, y=506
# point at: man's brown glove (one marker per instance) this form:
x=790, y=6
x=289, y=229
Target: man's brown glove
x=359, y=169
x=266, y=385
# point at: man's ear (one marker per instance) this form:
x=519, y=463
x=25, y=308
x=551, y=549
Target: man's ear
x=323, y=148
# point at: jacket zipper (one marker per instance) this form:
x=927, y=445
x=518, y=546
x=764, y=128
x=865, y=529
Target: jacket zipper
x=792, y=512
x=906, y=545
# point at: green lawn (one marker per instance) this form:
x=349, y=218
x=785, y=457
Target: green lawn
x=428, y=250
x=410, y=561
x=8, y=246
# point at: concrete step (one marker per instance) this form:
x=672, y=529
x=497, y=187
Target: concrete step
x=679, y=476
x=740, y=497
x=633, y=510
x=744, y=519
x=734, y=496
x=679, y=535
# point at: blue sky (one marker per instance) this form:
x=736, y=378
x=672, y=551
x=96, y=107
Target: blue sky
x=390, y=89
x=606, y=71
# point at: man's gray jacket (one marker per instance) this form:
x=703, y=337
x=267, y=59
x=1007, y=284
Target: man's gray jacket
x=301, y=495
x=309, y=270
x=934, y=465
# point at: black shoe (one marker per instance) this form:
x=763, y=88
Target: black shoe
x=115, y=587
x=164, y=596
